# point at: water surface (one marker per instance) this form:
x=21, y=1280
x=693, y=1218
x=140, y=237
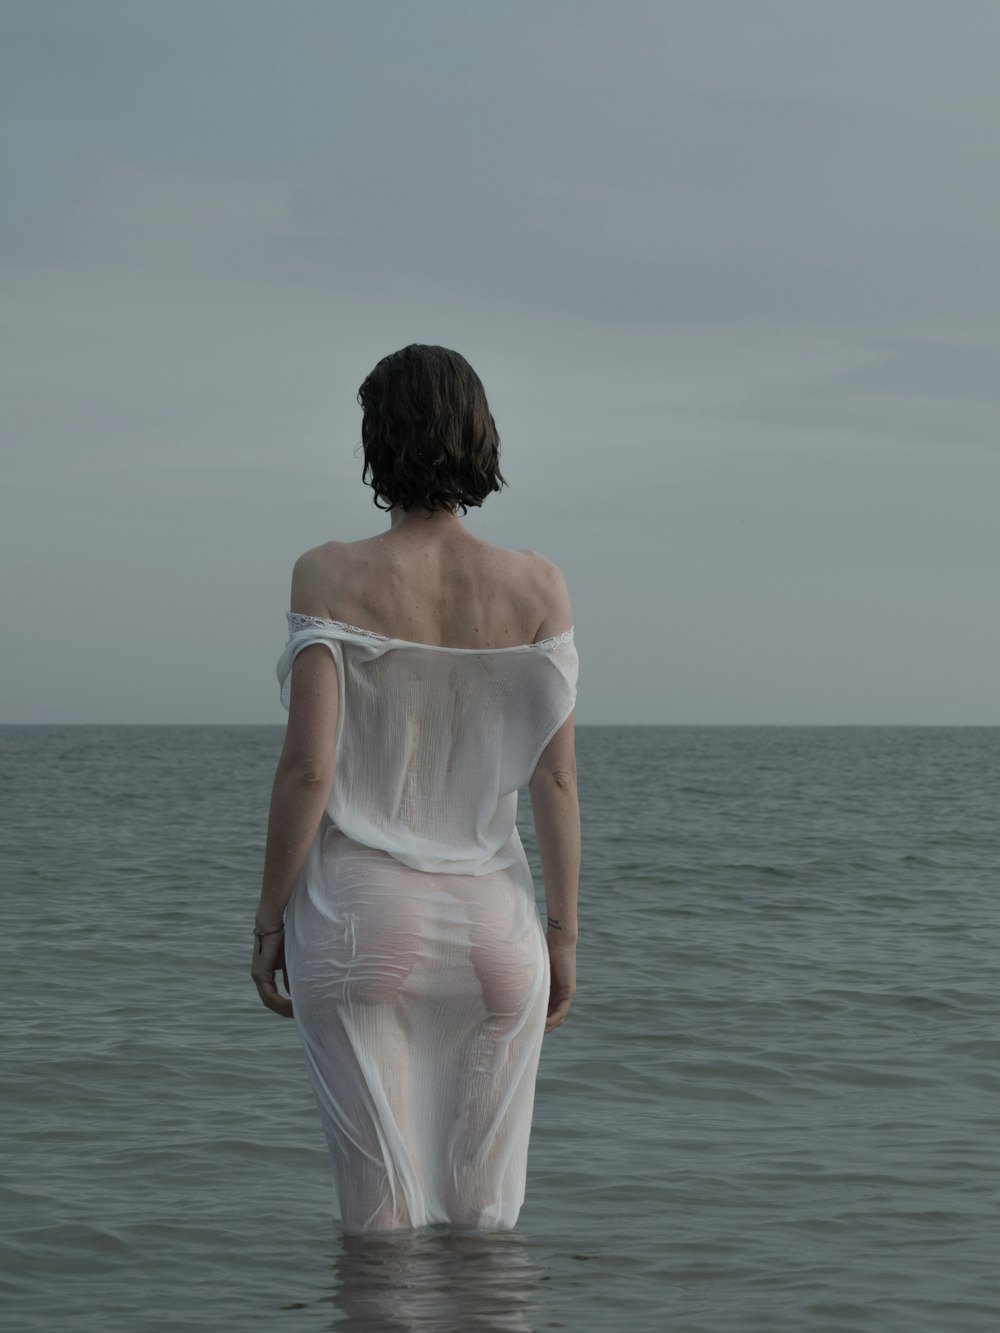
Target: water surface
x=773, y=1107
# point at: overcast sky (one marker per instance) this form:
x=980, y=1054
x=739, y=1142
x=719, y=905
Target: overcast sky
x=729, y=270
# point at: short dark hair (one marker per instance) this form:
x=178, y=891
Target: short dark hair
x=428, y=435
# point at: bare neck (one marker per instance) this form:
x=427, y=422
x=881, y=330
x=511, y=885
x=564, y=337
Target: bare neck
x=436, y=523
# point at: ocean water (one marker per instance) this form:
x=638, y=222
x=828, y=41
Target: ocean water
x=774, y=1105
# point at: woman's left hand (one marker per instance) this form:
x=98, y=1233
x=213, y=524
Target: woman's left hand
x=268, y=961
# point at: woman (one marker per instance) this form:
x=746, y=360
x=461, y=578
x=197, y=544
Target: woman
x=428, y=675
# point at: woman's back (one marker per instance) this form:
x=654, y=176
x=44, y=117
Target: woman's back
x=430, y=581
x=433, y=742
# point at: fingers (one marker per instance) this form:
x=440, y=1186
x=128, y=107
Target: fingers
x=278, y=1004
x=273, y=999
x=557, y=1016
x=270, y=996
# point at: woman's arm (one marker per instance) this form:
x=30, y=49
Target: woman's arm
x=299, y=795
x=302, y=780
x=556, y=810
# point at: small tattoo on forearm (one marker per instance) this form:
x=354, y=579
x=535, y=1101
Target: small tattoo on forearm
x=553, y=922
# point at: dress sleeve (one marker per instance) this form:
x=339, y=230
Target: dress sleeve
x=305, y=638
x=539, y=707
x=560, y=697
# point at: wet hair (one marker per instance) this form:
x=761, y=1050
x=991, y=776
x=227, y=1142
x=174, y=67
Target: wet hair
x=429, y=439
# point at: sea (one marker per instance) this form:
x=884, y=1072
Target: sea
x=774, y=1106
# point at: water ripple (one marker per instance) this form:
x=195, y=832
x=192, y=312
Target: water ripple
x=773, y=1107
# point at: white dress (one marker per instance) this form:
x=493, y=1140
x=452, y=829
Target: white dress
x=416, y=955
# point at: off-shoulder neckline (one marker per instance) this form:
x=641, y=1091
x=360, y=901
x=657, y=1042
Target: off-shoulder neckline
x=298, y=621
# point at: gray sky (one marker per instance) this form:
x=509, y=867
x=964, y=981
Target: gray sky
x=730, y=272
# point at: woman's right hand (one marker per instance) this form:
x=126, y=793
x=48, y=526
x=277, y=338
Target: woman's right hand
x=562, y=982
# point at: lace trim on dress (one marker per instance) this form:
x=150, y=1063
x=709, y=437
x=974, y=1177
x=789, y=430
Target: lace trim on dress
x=555, y=640
x=298, y=621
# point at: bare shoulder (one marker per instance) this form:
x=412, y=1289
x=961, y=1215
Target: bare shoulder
x=548, y=586
x=545, y=571
x=311, y=576
x=528, y=582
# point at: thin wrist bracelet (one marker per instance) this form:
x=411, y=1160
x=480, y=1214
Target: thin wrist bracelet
x=259, y=936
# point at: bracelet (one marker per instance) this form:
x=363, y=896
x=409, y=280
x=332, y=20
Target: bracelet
x=259, y=936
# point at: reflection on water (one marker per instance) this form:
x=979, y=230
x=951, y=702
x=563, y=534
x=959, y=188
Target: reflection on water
x=435, y=1278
